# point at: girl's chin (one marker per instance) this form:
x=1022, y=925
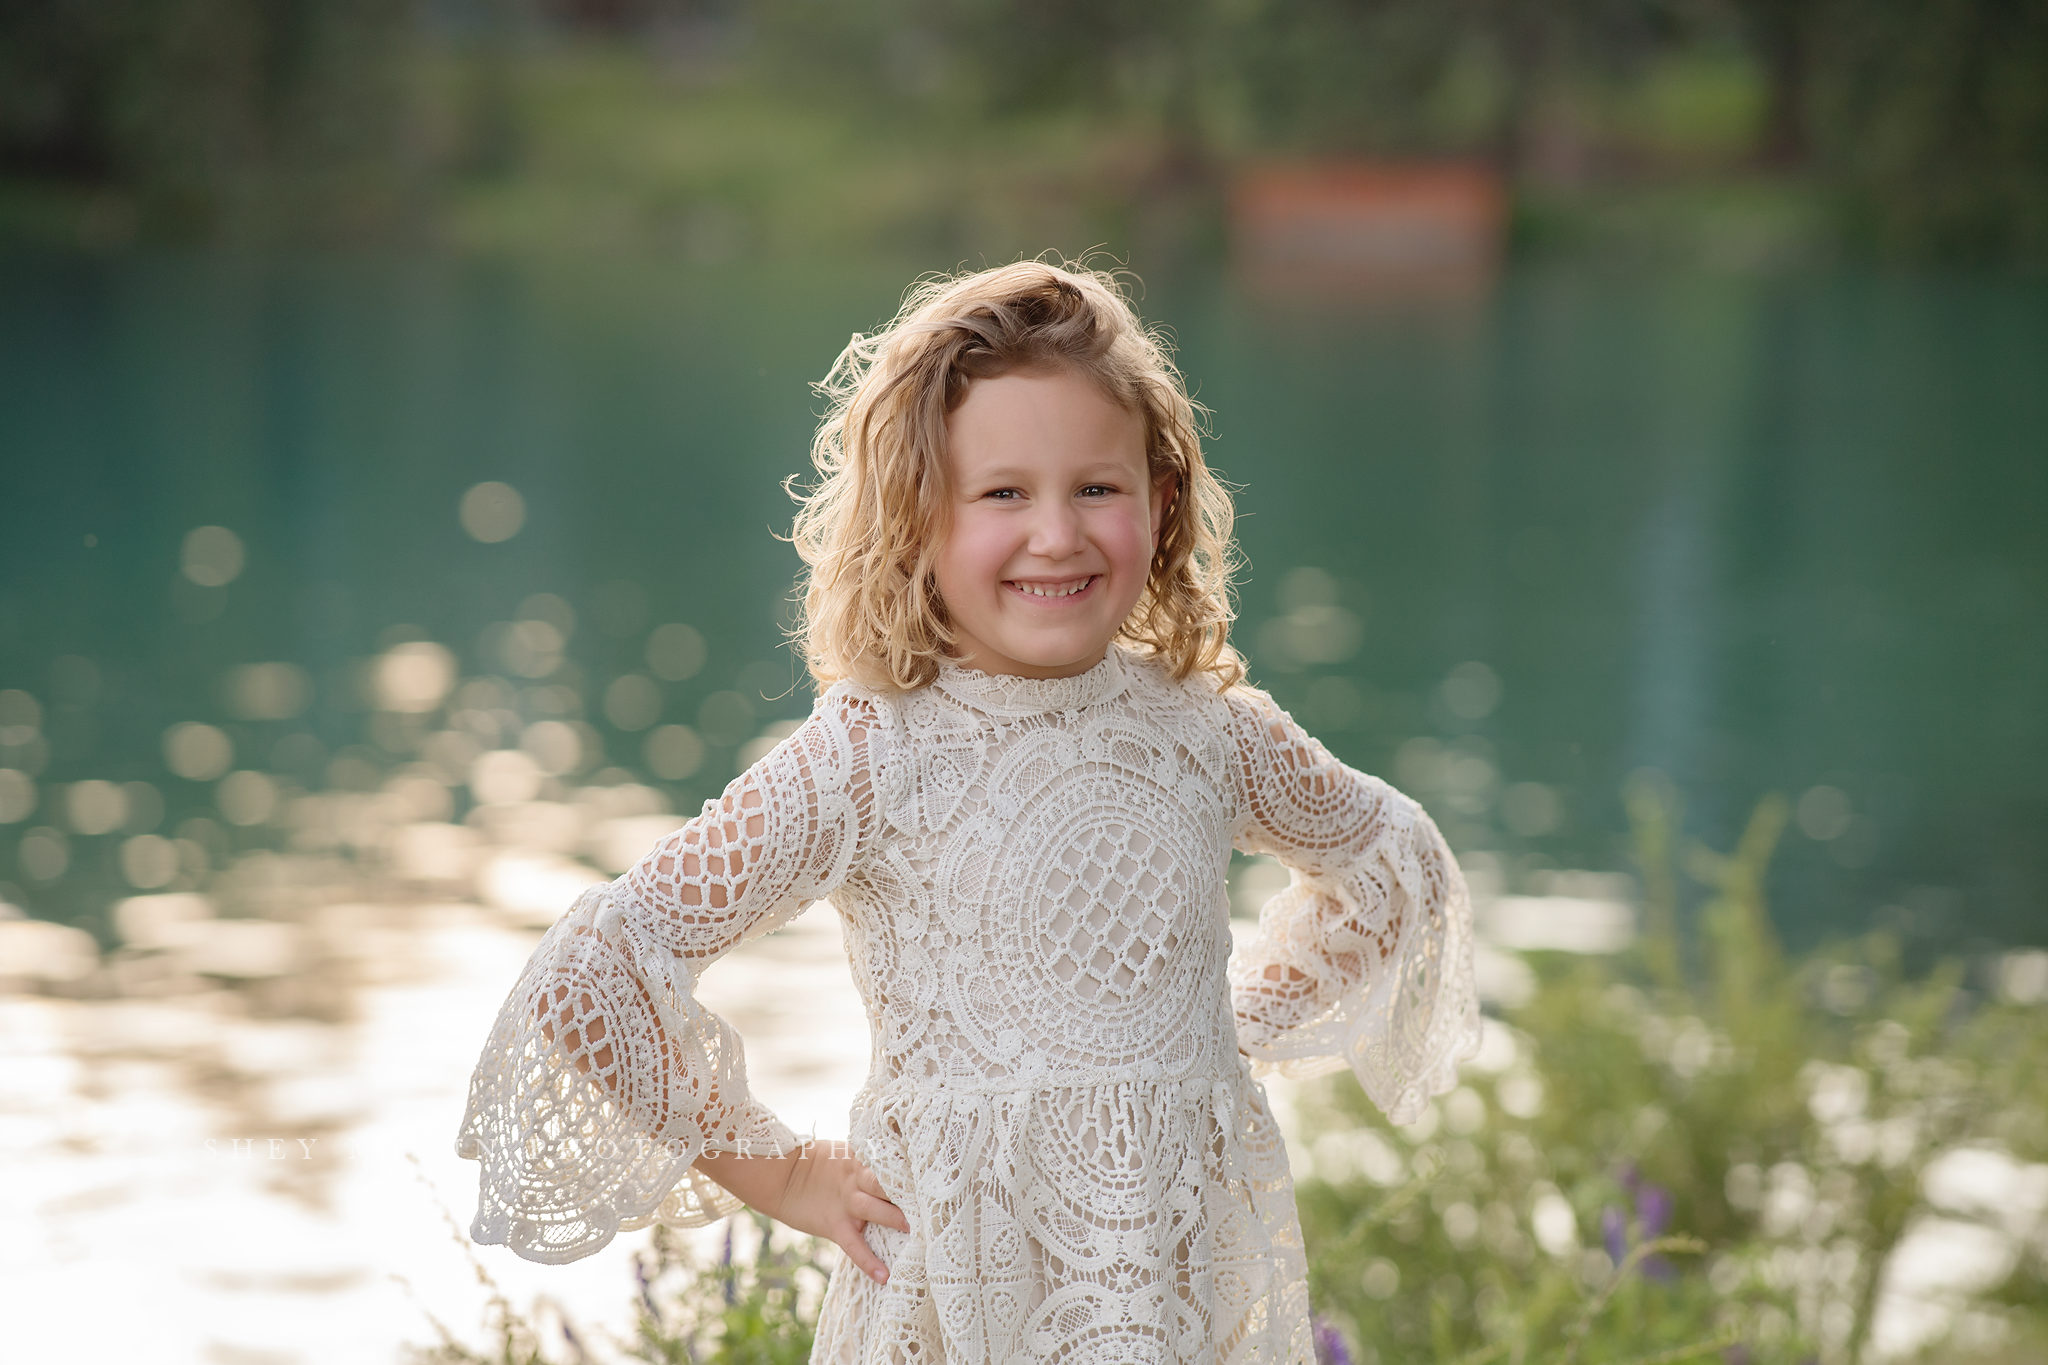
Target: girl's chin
x=1047, y=654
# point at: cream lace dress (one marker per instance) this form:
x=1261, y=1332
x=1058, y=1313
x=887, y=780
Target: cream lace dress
x=1031, y=876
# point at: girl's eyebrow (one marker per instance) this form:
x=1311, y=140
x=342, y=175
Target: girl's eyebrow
x=1007, y=473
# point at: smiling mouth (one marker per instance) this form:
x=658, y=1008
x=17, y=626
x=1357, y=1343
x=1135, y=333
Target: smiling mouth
x=1065, y=588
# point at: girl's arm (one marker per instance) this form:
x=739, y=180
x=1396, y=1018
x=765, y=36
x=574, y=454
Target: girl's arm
x=1366, y=958
x=604, y=1080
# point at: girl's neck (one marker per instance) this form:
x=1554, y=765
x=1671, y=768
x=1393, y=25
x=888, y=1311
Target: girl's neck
x=996, y=666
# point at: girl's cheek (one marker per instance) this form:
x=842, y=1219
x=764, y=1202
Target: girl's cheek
x=1129, y=539
x=973, y=550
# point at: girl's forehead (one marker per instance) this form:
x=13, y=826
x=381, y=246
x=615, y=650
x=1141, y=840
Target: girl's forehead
x=1035, y=406
x=1075, y=379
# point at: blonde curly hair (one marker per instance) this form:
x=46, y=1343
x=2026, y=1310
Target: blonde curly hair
x=870, y=528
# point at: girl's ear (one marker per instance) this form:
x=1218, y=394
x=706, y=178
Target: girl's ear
x=1165, y=489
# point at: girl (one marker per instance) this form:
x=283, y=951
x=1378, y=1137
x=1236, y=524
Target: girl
x=1021, y=785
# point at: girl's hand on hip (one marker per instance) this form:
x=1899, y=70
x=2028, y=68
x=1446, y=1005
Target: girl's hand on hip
x=823, y=1189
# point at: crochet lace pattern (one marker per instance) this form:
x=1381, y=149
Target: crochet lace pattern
x=1061, y=1099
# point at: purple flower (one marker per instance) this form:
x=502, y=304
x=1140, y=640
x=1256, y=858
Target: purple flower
x=1653, y=1215
x=1330, y=1347
x=1614, y=1233
x=646, y=1289
x=1653, y=1209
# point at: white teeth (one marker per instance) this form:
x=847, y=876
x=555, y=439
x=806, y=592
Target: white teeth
x=1037, y=591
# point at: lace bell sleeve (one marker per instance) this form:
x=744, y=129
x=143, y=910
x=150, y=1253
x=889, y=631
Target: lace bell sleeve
x=603, y=1079
x=1366, y=958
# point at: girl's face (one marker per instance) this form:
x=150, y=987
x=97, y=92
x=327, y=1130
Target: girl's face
x=1054, y=523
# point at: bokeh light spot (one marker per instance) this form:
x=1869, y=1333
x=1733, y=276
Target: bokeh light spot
x=504, y=775
x=145, y=808
x=17, y=796
x=1472, y=691
x=632, y=702
x=354, y=769
x=529, y=649
x=1307, y=587
x=196, y=752
x=246, y=798
x=545, y=606
x=675, y=652
x=673, y=752
x=451, y=753
x=212, y=556
x=149, y=861
x=273, y=691
x=19, y=710
x=95, y=807
x=412, y=678
x=554, y=746
x=1318, y=633
x=43, y=855
x=493, y=512
x=424, y=796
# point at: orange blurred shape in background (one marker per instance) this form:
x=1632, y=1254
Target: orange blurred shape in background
x=1368, y=228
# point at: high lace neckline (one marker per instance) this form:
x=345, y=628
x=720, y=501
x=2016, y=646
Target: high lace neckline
x=1007, y=694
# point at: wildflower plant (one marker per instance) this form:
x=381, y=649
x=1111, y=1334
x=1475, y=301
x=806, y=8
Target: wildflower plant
x=756, y=1305
x=1731, y=1157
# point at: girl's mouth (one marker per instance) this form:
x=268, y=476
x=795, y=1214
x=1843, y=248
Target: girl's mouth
x=1051, y=591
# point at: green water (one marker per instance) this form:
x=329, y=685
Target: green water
x=1757, y=533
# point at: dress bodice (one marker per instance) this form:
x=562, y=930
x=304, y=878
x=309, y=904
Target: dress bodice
x=1048, y=906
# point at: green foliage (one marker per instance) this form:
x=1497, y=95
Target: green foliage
x=1779, y=1113
x=1933, y=119
x=351, y=119
x=213, y=117
x=757, y=1304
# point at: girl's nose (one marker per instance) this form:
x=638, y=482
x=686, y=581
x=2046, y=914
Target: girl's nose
x=1056, y=532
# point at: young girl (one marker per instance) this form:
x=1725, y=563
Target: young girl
x=1020, y=787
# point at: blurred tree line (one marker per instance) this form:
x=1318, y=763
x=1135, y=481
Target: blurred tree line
x=1924, y=124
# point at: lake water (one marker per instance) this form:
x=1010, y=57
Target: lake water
x=1758, y=533
x=316, y=724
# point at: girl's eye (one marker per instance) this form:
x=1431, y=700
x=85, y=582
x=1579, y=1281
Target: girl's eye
x=1097, y=490
x=1006, y=494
